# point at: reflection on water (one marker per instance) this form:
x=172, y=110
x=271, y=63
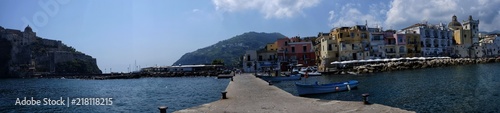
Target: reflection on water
x=470, y=88
x=129, y=95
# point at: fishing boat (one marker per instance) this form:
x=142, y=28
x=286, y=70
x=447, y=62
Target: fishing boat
x=316, y=88
x=281, y=78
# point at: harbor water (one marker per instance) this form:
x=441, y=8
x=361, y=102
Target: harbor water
x=128, y=95
x=468, y=88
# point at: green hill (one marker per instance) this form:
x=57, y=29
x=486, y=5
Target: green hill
x=229, y=50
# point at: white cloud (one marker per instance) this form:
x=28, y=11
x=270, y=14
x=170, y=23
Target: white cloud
x=195, y=10
x=403, y=13
x=350, y=15
x=270, y=8
x=332, y=14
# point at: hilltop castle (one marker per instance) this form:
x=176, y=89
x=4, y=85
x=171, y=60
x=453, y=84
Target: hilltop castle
x=26, y=54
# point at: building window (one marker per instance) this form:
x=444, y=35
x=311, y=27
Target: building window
x=352, y=35
x=260, y=57
x=293, y=49
x=304, y=48
x=329, y=47
x=248, y=57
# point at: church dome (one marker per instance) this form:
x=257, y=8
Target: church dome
x=454, y=24
x=28, y=29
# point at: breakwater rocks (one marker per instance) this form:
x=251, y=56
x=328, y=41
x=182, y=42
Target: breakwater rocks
x=415, y=64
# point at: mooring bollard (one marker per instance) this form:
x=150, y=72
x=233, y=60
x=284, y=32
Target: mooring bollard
x=270, y=82
x=224, y=94
x=365, y=98
x=163, y=109
x=231, y=78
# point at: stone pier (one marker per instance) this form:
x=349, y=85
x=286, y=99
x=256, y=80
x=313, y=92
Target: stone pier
x=253, y=95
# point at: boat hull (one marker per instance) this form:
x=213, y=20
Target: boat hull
x=304, y=89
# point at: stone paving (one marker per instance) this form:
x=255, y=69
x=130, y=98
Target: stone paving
x=250, y=94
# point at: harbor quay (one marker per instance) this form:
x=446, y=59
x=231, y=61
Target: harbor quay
x=247, y=93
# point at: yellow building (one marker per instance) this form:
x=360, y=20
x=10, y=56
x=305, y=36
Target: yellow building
x=413, y=45
x=327, y=51
x=272, y=47
x=353, y=42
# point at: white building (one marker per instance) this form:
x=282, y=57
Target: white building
x=491, y=46
x=435, y=40
x=250, y=61
x=377, y=45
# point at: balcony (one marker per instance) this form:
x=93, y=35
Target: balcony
x=390, y=52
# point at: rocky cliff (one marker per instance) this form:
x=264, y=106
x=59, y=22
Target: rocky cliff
x=23, y=54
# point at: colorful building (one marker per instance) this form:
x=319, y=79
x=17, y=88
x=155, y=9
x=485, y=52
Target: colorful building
x=492, y=45
x=465, y=38
x=413, y=48
x=400, y=45
x=435, y=39
x=353, y=42
x=271, y=47
x=260, y=60
x=390, y=44
x=377, y=43
x=328, y=50
x=295, y=51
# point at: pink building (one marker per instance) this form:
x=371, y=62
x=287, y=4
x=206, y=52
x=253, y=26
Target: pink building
x=294, y=51
x=400, y=39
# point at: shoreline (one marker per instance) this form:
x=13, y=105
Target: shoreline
x=123, y=75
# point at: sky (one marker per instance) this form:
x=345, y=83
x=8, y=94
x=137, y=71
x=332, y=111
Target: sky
x=125, y=34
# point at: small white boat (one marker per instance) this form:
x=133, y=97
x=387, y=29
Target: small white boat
x=315, y=73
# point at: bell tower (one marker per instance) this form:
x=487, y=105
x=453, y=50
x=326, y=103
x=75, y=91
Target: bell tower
x=472, y=26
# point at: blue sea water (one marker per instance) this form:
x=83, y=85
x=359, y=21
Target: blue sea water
x=469, y=88
x=129, y=95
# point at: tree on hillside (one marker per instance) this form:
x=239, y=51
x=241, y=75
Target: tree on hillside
x=218, y=62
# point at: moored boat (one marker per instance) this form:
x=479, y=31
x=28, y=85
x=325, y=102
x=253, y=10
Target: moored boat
x=315, y=73
x=316, y=88
x=280, y=78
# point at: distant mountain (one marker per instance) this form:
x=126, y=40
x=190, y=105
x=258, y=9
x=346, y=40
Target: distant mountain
x=229, y=50
x=491, y=32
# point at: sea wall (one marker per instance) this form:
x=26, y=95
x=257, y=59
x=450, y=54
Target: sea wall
x=417, y=64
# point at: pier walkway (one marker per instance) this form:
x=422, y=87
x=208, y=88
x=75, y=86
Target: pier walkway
x=248, y=93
